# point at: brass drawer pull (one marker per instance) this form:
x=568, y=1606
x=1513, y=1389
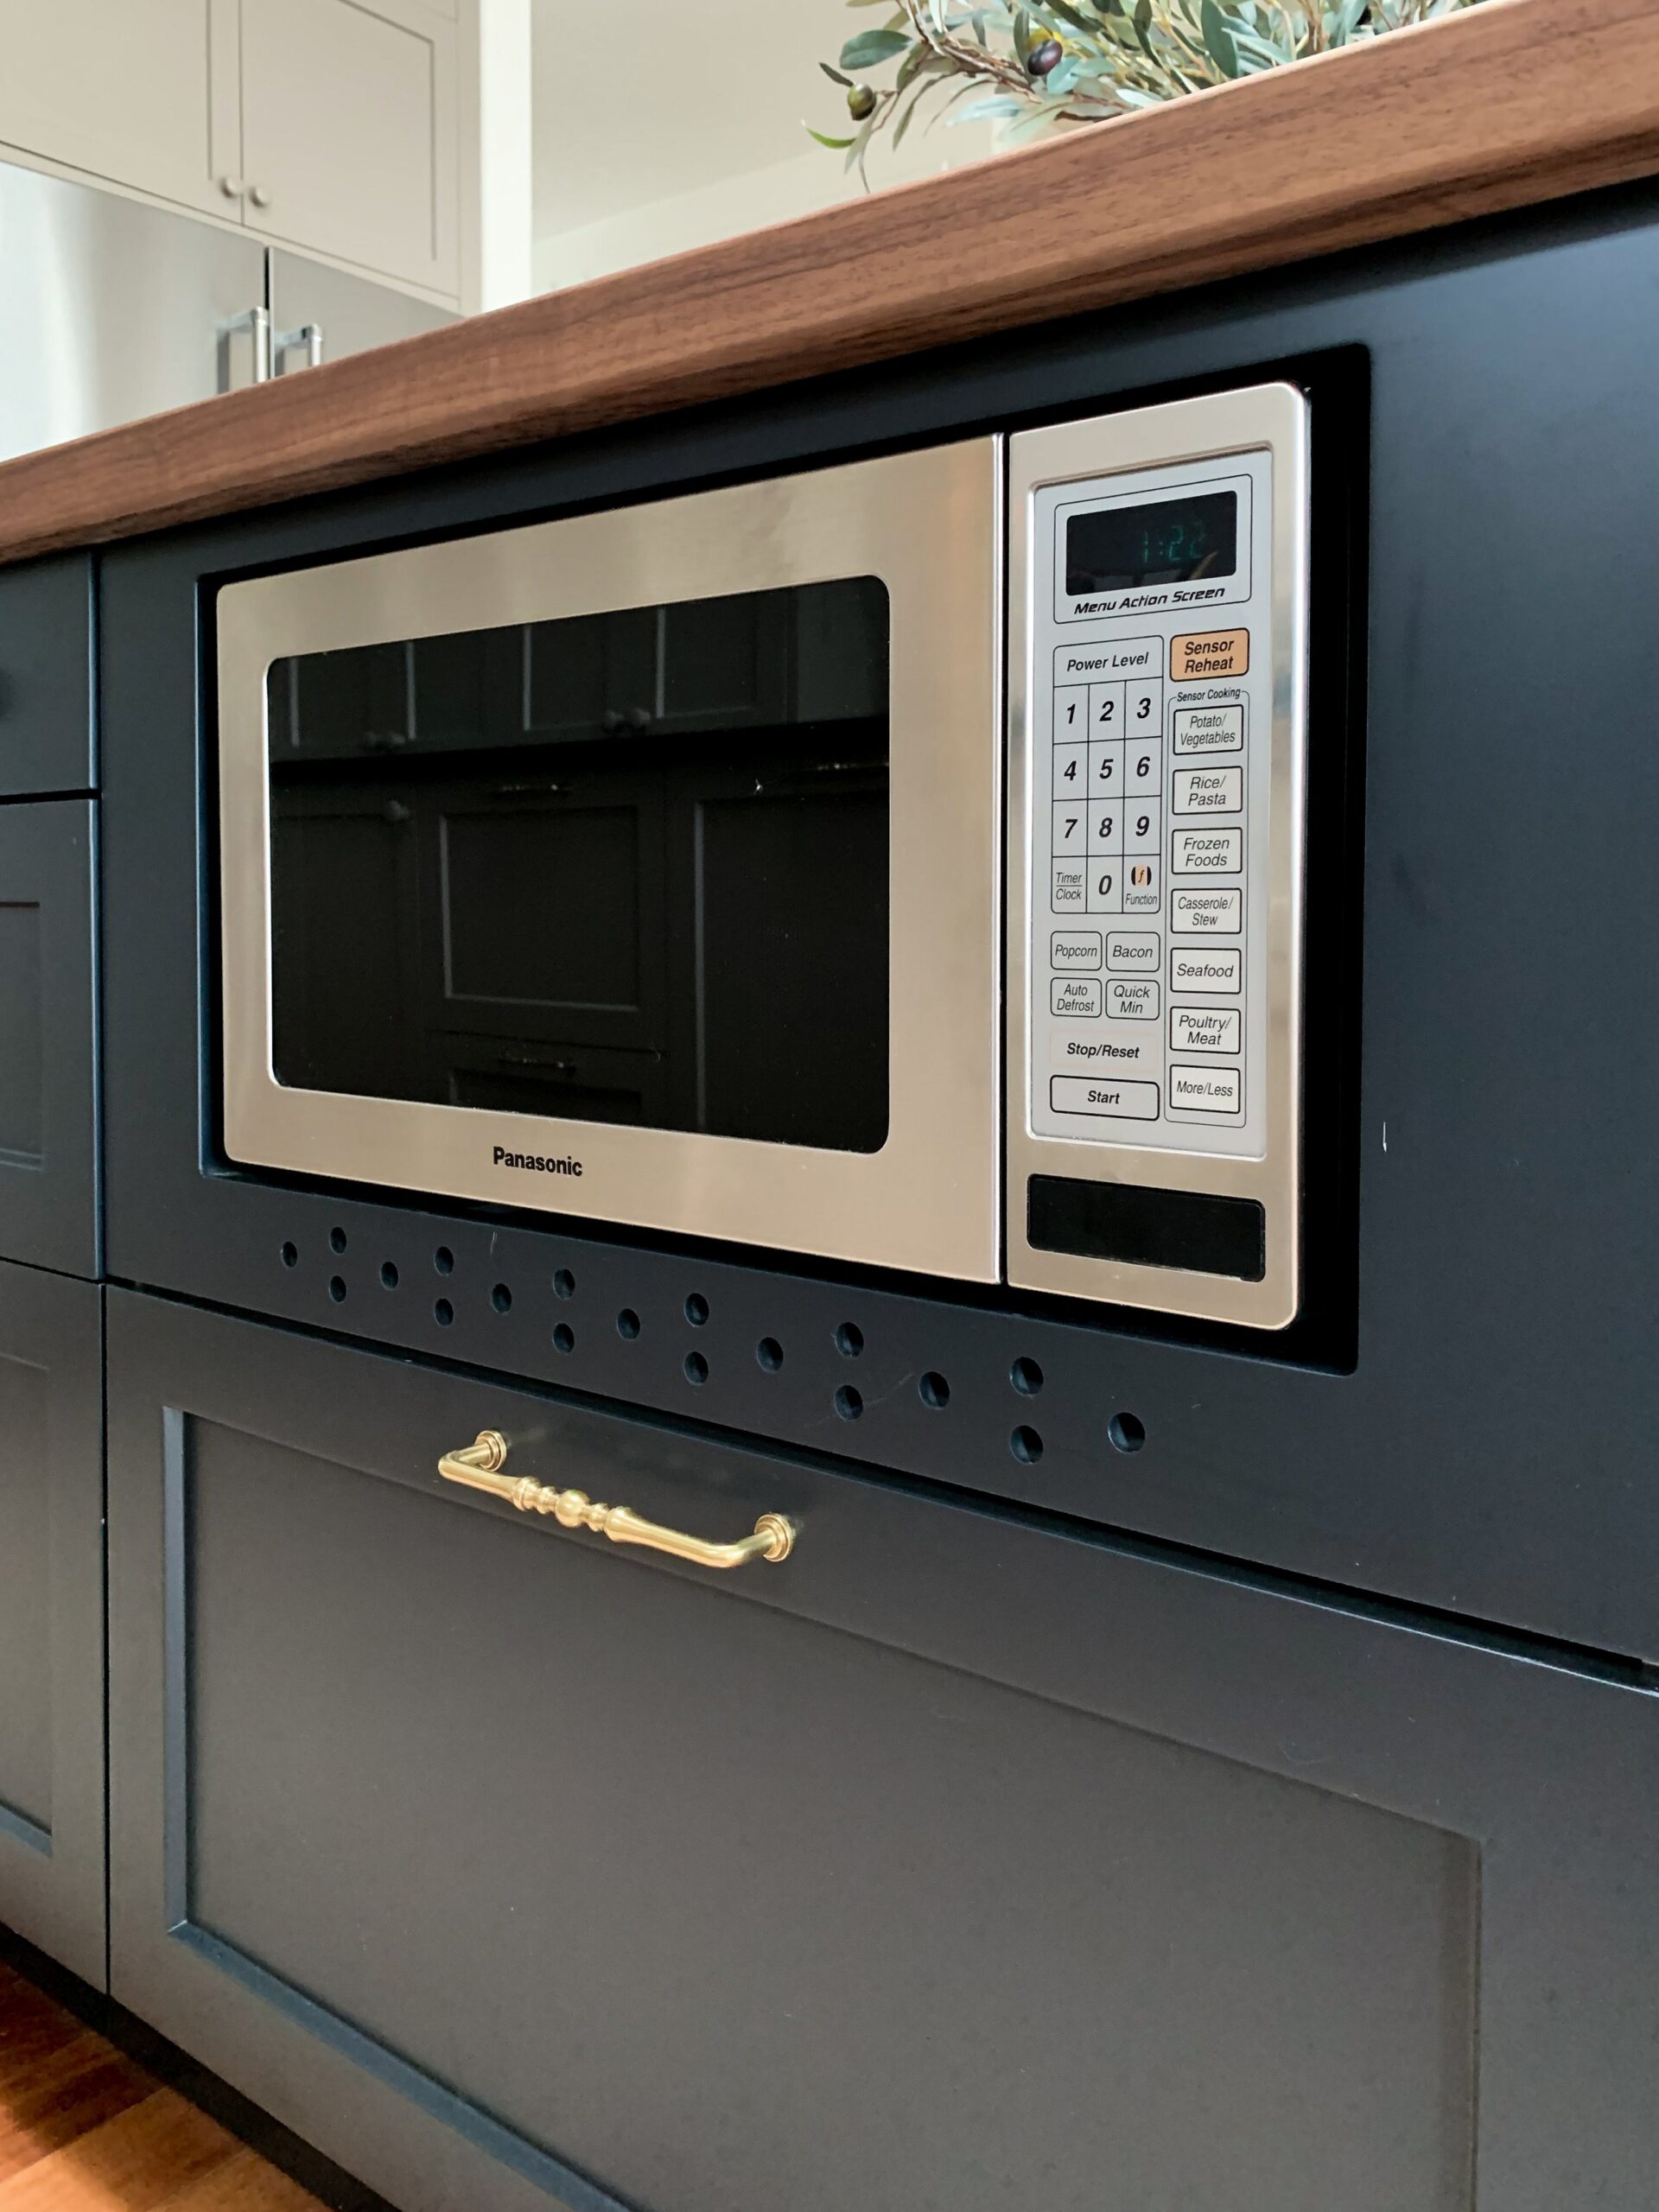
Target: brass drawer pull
x=480, y=1465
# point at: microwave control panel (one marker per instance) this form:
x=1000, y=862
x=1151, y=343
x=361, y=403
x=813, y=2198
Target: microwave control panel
x=1156, y=807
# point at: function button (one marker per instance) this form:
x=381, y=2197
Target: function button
x=1069, y=827
x=1143, y=708
x=1204, y=1028
x=1196, y=969
x=1143, y=889
x=1070, y=715
x=1203, y=653
x=1074, y=948
x=1142, y=823
x=1143, y=766
x=1132, y=998
x=1208, y=790
x=1105, y=886
x=1207, y=729
x=1068, y=892
x=1106, y=661
x=1087, y=1093
x=1205, y=1090
x=1105, y=712
x=1105, y=826
x=1207, y=913
x=1106, y=769
x=1074, y=998
x=1132, y=951
x=1206, y=852
x=1070, y=770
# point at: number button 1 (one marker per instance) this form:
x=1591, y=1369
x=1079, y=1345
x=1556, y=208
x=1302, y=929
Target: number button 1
x=1071, y=715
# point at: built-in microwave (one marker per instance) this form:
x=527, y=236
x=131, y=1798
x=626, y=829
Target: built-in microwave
x=899, y=862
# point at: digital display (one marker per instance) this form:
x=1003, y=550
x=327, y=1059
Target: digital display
x=1161, y=542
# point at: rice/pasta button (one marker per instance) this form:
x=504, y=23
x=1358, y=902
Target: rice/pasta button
x=1208, y=790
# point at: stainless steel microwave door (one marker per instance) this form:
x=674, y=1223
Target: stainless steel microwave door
x=644, y=865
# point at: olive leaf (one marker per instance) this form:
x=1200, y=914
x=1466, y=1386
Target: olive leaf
x=1116, y=56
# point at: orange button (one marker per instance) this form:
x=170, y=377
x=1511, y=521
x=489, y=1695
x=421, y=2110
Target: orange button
x=1209, y=652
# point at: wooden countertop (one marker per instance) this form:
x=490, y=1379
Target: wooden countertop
x=1515, y=102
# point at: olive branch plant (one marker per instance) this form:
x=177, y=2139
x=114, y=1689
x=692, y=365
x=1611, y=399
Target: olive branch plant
x=1051, y=65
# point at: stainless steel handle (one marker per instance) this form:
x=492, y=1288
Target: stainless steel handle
x=307, y=338
x=257, y=322
x=478, y=1465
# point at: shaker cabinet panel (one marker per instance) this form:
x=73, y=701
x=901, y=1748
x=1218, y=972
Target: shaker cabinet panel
x=46, y=706
x=48, y=1120
x=951, y=1861
x=122, y=88
x=349, y=132
x=52, y=1616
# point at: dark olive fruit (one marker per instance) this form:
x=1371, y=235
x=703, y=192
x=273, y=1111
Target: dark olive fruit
x=860, y=102
x=1044, y=57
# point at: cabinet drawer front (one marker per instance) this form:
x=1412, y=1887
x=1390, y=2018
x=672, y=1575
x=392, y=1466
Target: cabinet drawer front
x=52, y=1616
x=46, y=709
x=48, y=1121
x=952, y=1860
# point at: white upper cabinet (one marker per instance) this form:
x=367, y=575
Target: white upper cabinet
x=124, y=88
x=348, y=115
x=332, y=126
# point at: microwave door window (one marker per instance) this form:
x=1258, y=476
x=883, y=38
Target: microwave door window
x=629, y=866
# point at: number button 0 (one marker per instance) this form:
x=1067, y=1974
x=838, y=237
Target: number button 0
x=1105, y=894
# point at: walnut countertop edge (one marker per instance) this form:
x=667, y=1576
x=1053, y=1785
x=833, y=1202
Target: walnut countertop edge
x=1514, y=102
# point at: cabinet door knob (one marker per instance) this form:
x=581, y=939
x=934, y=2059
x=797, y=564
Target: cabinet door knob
x=232, y=187
x=478, y=1465
x=260, y=195
x=640, y=718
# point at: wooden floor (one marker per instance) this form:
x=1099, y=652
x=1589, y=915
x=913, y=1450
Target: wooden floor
x=82, y=2129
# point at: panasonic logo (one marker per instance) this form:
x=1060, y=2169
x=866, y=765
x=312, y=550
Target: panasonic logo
x=537, y=1163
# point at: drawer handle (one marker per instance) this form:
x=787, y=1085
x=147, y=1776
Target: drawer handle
x=479, y=1467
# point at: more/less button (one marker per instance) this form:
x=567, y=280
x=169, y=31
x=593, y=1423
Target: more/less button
x=1205, y=1090
x=1087, y=1094
x=1203, y=653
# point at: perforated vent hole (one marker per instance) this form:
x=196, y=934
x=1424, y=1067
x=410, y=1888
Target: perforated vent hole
x=696, y=1368
x=501, y=1298
x=850, y=1339
x=564, y=1337
x=934, y=1390
x=444, y=1260
x=1025, y=1446
x=336, y=1288
x=290, y=1255
x=564, y=1284
x=336, y=1240
x=627, y=1324
x=388, y=1274
x=1127, y=1432
x=1026, y=1378
x=443, y=1312
x=849, y=1403
x=696, y=1309
x=769, y=1354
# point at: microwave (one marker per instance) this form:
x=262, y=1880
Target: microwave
x=898, y=863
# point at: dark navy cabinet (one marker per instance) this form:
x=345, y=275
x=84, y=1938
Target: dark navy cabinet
x=961, y=1860
x=46, y=733
x=48, y=1119
x=52, y=1616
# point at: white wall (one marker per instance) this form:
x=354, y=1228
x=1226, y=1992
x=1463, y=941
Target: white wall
x=702, y=135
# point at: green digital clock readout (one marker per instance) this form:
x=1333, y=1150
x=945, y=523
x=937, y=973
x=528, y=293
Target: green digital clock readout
x=1162, y=542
